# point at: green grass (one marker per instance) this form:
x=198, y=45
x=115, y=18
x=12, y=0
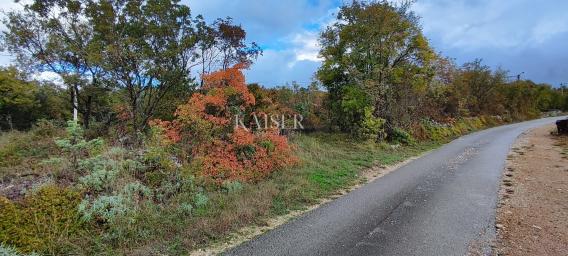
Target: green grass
x=21, y=152
x=330, y=162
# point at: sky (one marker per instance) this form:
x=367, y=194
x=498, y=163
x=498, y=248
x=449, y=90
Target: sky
x=517, y=35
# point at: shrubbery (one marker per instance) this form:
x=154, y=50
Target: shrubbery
x=370, y=126
x=110, y=189
x=205, y=129
x=431, y=130
x=43, y=222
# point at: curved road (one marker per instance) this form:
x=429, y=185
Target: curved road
x=440, y=204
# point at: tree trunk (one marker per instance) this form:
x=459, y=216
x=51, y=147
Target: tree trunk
x=134, y=117
x=9, y=120
x=75, y=96
x=87, y=114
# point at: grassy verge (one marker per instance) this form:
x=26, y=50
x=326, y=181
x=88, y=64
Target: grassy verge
x=329, y=162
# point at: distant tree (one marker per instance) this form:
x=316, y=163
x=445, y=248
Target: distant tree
x=55, y=36
x=480, y=87
x=53, y=102
x=443, y=99
x=560, y=98
x=17, y=100
x=22, y=101
x=223, y=44
x=377, y=49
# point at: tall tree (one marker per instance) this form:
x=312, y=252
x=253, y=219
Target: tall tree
x=375, y=50
x=54, y=36
x=480, y=87
x=147, y=48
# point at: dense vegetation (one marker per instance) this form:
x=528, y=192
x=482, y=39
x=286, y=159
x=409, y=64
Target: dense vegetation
x=159, y=163
x=383, y=78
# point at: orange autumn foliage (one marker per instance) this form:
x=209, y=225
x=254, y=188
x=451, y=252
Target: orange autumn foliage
x=242, y=137
x=204, y=127
x=168, y=129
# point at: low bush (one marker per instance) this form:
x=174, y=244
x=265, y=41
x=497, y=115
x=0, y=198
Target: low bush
x=44, y=222
x=6, y=250
x=370, y=127
x=398, y=135
x=431, y=130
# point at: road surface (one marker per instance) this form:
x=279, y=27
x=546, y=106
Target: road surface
x=440, y=204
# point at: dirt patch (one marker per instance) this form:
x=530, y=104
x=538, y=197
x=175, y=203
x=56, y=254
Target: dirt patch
x=532, y=218
x=248, y=233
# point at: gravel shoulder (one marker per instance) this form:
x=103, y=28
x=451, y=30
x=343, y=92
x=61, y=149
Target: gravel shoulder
x=532, y=218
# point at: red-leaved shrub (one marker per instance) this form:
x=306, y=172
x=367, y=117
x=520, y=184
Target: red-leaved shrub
x=205, y=128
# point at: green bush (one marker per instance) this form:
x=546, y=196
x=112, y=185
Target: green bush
x=436, y=131
x=103, y=208
x=398, y=135
x=6, y=250
x=232, y=186
x=101, y=173
x=44, y=222
x=106, y=208
x=75, y=146
x=200, y=200
x=174, y=185
x=432, y=130
x=370, y=127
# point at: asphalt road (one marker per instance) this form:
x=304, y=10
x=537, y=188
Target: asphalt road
x=440, y=204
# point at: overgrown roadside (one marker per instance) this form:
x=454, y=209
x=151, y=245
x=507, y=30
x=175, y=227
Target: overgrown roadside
x=333, y=165
x=532, y=218
x=181, y=214
x=330, y=164
x=363, y=175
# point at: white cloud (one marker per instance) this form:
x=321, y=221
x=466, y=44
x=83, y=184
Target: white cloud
x=274, y=68
x=492, y=24
x=48, y=76
x=306, y=46
x=546, y=29
x=6, y=6
x=521, y=36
